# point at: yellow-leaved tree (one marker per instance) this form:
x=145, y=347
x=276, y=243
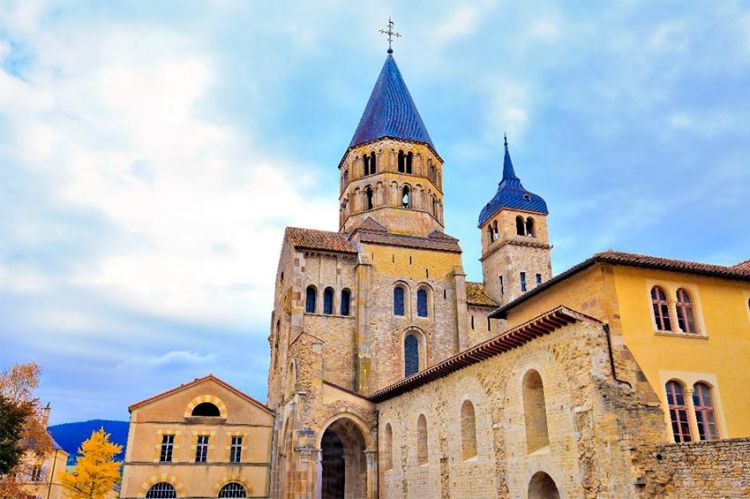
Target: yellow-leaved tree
x=96, y=470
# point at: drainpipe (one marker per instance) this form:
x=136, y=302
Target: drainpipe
x=377, y=426
x=52, y=475
x=605, y=327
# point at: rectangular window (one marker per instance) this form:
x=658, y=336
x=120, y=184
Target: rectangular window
x=235, y=454
x=489, y=325
x=167, y=445
x=36, y=473
x=502, y=286
x=538, y=279
x=201, y=449
x=523, y=281
x=472, y=323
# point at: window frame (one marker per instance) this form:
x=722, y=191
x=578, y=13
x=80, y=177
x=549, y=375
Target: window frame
x=409, y=355
x=423, y=303
x=201, y=448
x=235, y=449
x=314, y=289
x=660, y=310
x=704, y=411
x=403, y=301
x=685, y=312
x=166, y=450
x=675, y=409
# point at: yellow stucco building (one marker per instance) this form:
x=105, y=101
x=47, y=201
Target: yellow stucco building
x=201, y=439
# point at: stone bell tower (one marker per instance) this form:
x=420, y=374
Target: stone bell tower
x=515, y=243
x=391, y=171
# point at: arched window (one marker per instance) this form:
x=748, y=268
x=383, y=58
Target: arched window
x=372, y=163
x=422, y=302
x=409, y=160
x=388, y=447
x=206, y=409
x=310, y=298
x=678, y=412
x=520, y=228
x=401, y=162
x=661, y=309
x=535, y=412
x=346, y=177
x=542, y=486
x=368, y=195
x=530, y=227
x=704, y=412
x=276, y=345
x=398, y=300
x=685, y=315
x=434, y=206
x=405, y=201
x=422, y=454
x=495, y=233
x=411, y=355
x=346, y=297
x=161, y=490
x=490, y=235
x=468, y=430
x=328, y=301
x=233, y=489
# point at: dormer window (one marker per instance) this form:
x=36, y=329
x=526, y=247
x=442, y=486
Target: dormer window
x=527, y=197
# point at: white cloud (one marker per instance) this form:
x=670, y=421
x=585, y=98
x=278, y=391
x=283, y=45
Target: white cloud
x=460, y=23
x=172, y=358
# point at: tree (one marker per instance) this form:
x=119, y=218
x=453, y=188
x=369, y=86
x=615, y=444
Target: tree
x=23, y=433
x=96, y=470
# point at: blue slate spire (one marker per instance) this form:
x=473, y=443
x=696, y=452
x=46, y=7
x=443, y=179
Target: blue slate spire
x=512, y=194
x=390, y=112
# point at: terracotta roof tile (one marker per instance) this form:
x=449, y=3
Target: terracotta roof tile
x=209, y=377
x=737, y=272
x=513, y=338
x=373, y=225
x=319, y=240
x=446, y=243
x=475, y=295
x=744, y=266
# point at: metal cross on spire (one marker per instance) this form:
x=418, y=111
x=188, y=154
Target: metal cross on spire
x=391, y=34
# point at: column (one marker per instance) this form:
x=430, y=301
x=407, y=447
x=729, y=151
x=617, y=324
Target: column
x=372, y=473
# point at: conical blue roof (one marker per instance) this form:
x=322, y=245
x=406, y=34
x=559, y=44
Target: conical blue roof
x=512, y=194
x=390, y=112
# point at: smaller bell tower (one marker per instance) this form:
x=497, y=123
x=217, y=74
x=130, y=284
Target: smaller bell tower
x=515, y=242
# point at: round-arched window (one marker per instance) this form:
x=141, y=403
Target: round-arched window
x=233, y=489
x=161, y=490
x=206, y=409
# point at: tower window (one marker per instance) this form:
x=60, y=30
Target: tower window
x=310, y=297
x=405, y=197
x=523, y=281
x=366, y=164
x=685, y=315
x=401, y=162
x=201, y=449
x=422, y=302
x=495, y=233
x=409, y=160
x=346, y=297
x=328, y=301
x=369, y=195
x=678, y=412
x=520, y=227
x=411, y=355
x=704, y=412
x=539, y=279
x=489, y=324
x=372, y=163
x=661, y=309
x=398, y=301
x=502, y=286
x=530, y=227
x=472, y=323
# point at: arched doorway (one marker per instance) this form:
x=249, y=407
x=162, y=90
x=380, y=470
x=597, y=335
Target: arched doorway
x=542, y=486
x=343, y=461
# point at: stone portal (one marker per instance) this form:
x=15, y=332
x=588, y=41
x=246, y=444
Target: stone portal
x=343, y=464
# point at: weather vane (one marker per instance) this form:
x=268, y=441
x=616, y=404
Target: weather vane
x=391, y=34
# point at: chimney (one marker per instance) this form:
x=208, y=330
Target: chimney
x=45, y=415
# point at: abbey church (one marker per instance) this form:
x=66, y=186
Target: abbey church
x=392, y=376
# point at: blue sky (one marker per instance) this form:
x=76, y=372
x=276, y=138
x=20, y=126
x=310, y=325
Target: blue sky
x=151, y=155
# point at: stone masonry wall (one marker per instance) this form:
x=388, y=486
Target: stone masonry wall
x=593, y=423
x=719, y=468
